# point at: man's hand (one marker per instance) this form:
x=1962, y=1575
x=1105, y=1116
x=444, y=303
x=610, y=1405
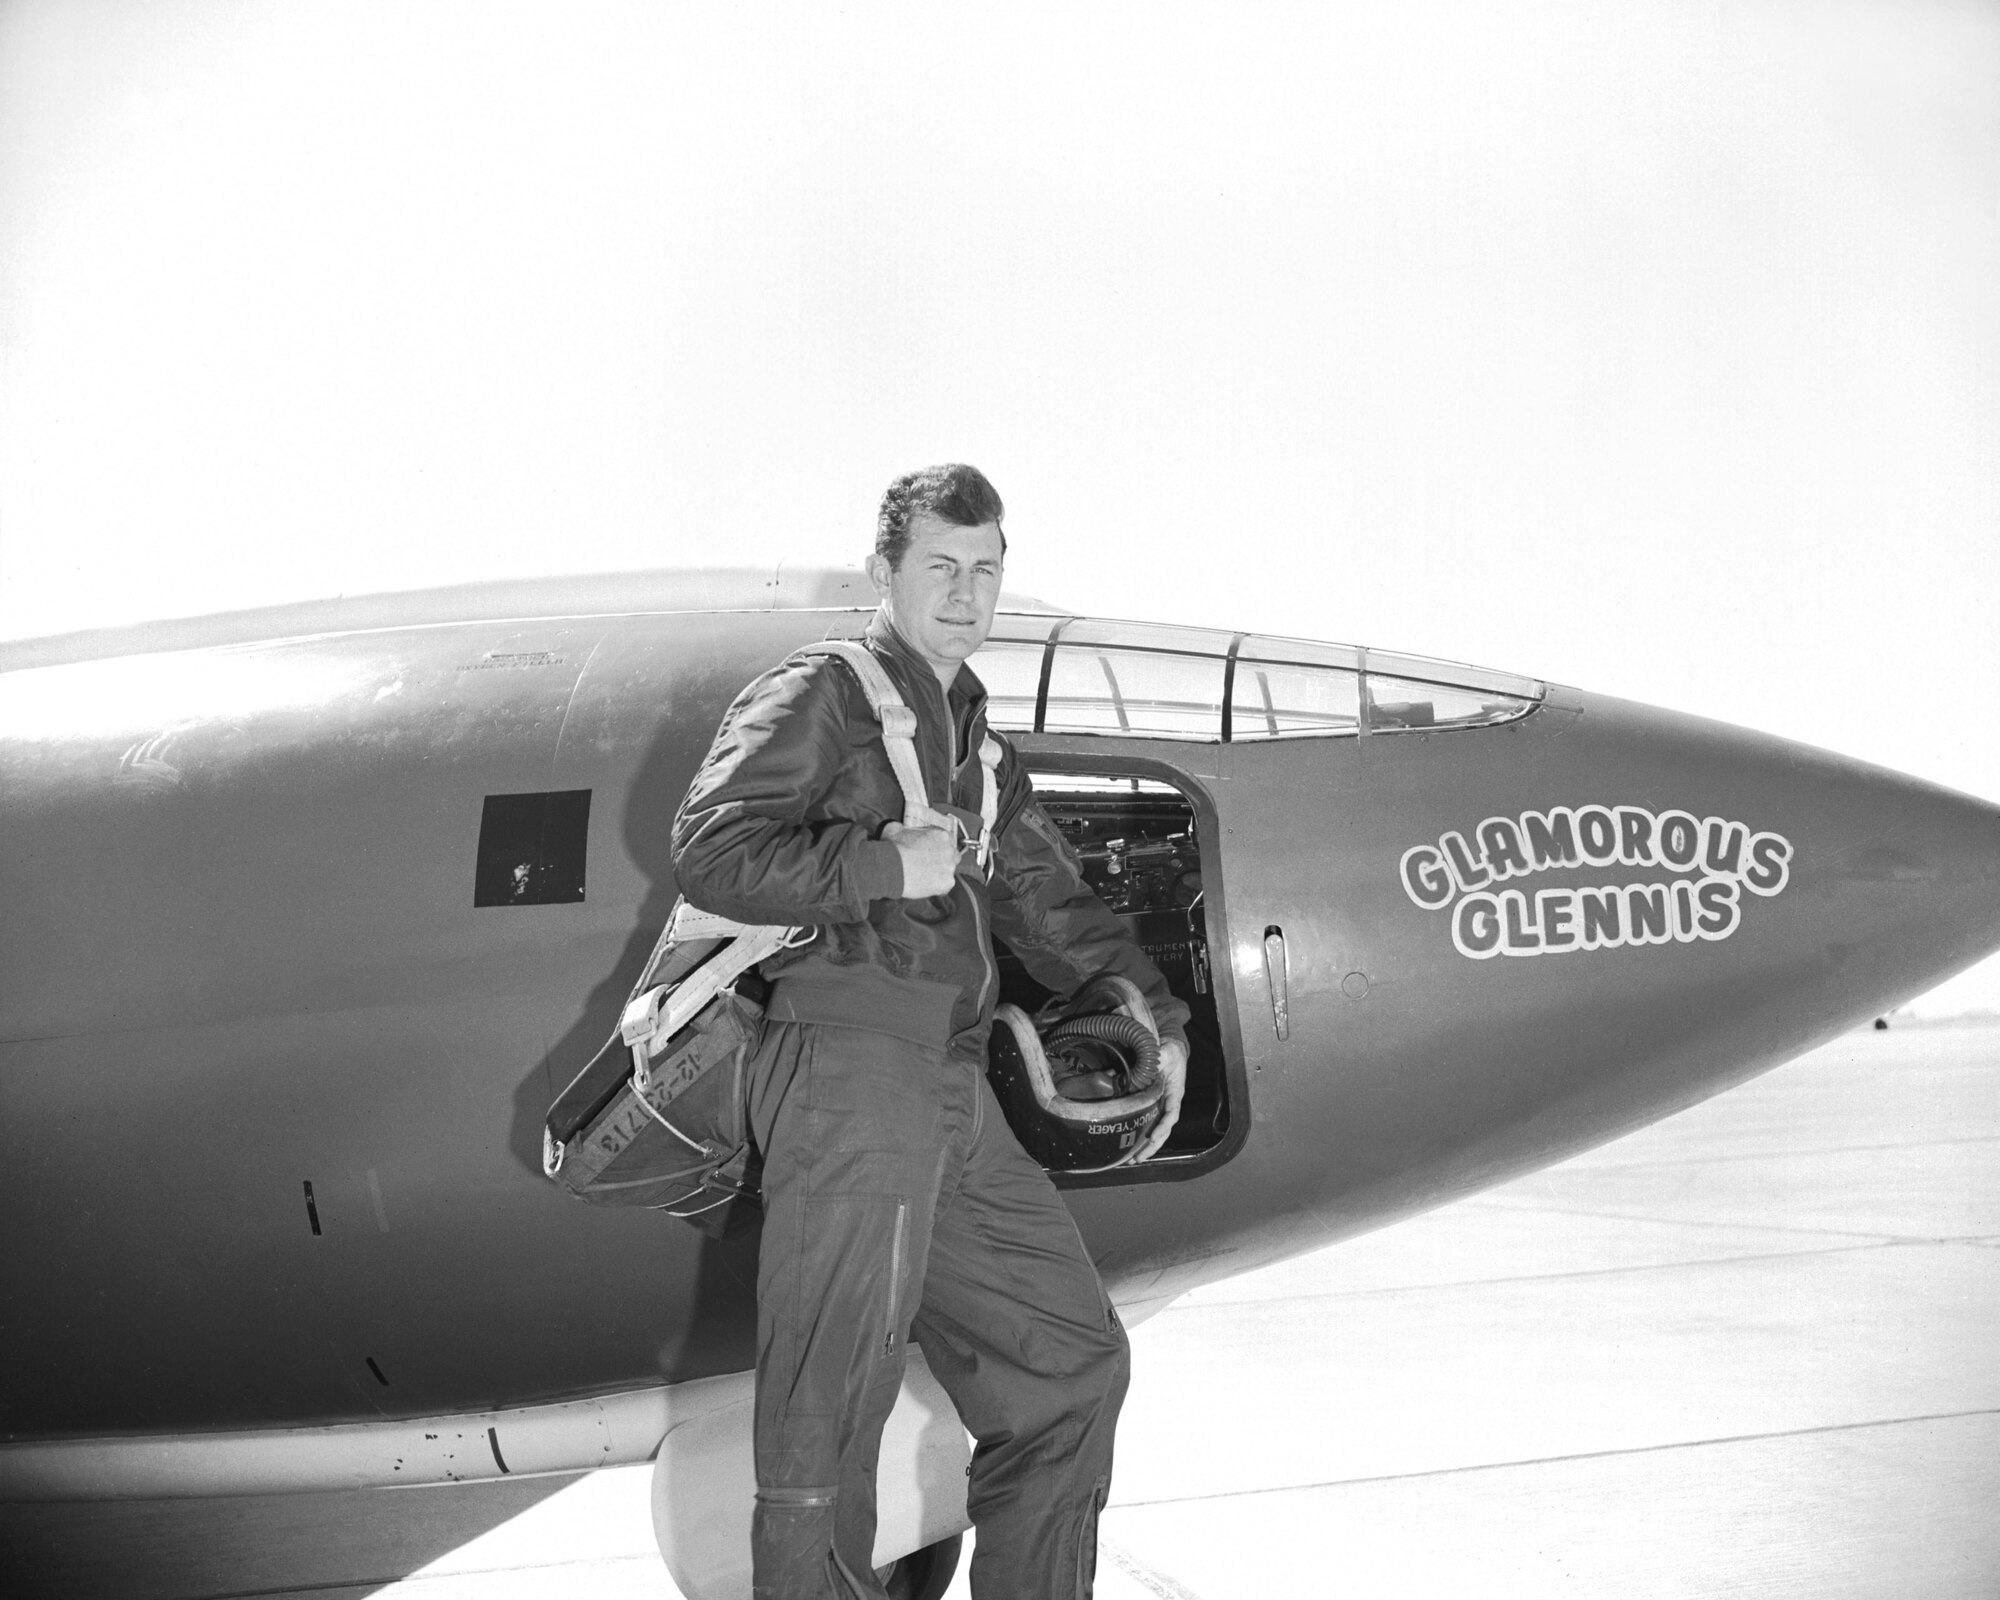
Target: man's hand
x=929, y=857
x=1173, y=1068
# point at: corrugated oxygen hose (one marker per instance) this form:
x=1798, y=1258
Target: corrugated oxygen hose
x=1126, y=1033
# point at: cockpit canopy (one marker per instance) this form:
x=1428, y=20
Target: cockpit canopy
x=1057, y=674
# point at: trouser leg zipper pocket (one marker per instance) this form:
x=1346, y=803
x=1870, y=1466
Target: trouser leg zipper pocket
x=895, y=1297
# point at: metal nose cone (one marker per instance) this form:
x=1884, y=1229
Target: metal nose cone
x=1901, y=878
x=1859, y=887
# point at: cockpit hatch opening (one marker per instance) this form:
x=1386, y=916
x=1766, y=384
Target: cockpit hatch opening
x=1138, y=842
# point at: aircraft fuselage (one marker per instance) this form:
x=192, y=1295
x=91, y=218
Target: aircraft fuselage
x=274, y=1075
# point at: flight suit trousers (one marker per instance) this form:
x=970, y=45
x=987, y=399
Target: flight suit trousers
x=898, y=1204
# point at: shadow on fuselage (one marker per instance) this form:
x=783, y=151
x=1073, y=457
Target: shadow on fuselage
x=649, y=803
x=723, y=1287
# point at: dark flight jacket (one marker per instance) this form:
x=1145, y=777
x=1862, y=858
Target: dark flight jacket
x=783, y=824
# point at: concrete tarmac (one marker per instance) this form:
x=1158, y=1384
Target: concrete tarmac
x=1751, y=1351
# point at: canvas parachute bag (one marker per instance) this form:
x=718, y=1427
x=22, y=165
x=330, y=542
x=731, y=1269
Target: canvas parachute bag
x=658, y=1118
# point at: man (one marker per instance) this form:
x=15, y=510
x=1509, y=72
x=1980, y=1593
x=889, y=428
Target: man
x=897, y=1203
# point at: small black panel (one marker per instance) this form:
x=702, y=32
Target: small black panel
x=531, y=849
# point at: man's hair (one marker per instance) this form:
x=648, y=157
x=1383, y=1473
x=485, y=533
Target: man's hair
x=953, y=493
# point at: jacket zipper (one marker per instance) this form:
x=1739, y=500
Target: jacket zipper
x=986, y=971
x=987, y=975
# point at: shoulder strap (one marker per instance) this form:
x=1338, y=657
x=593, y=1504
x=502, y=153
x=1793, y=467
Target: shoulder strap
x=989, y=797
x=899, y=724
x=657, y=1002
x=899, y=738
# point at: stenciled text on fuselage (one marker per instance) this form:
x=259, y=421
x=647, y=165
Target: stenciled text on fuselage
x=1716, y=862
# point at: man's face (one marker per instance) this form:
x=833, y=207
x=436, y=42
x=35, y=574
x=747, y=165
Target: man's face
x=941, y=598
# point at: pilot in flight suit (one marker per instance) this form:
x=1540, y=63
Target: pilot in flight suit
x=897, y=1202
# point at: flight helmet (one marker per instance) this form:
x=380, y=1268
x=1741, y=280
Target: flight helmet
x=1080, y=1084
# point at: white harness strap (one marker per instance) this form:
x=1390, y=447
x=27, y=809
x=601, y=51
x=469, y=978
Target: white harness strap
x=899, y=738
x=989, y=797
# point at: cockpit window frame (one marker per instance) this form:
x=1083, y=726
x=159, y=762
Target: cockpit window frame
x=1050, y=633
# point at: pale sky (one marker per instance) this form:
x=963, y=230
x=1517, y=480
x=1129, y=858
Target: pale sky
x=1649, y=347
